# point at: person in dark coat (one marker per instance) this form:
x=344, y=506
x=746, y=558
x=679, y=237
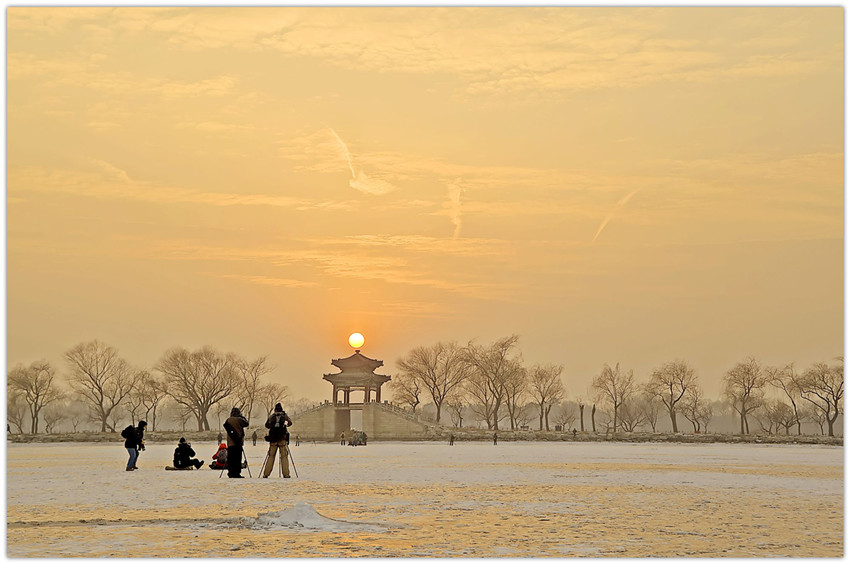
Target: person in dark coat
x=254, y=438
x=235, y=427
x=134, y=441
x=278, y=437
x=183, y=455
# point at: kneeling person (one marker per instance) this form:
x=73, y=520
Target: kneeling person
x=183, y=455
x=278, y=438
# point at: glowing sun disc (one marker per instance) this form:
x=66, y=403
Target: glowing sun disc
x=356, y=340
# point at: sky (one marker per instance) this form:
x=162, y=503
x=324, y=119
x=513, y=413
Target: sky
x=614, y=185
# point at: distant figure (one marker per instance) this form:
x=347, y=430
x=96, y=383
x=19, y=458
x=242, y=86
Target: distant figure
x=297, y=440
x=183, y=455
x=254, y=437
x=278, y=438
x=342, y=438
x=451, y=440
x=495, y=439
x=134, y=441
x=574, y=432
x=235, y=427
x=220, y=437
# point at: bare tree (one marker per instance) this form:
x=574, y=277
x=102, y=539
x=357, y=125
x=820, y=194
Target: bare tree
x=778, y=414
x=77, y=413
x=249, y=384
x=615, y=387
x=16, y=408
x=651, y=406
x=491, y=367
x=300, y=405
x=547, y=389
x=270, y=394
x=823, y=387
x=101, y=378
x=37, y=386
x=54, y=414
x=744, y=386
x=565, y=415
x=456, y=406
x=439, y=370
x=785, y=379
x=631, y=415
x=198, y=380
x=151, y=391
x=406, y=389
x=696, y=408
x=669, y=383
x=515, y=384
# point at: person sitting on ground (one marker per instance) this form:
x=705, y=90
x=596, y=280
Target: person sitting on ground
x=219, y=459
x=183, y=455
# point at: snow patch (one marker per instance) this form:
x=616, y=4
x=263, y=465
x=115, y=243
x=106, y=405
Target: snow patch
x=304, y=516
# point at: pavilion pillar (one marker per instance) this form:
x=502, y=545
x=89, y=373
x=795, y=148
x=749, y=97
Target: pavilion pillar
x=346, y=394
x=335, y=394
x=378, y=394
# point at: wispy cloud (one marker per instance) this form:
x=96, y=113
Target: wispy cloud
x=359, y=179
x=622, y=202
x=269, y=281
x=455, y=194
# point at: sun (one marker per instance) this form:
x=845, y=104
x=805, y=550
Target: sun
x=356, y=340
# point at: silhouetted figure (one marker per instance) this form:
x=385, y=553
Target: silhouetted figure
x=342, y=438
x=254, y=437
x=451, y=440
x=297, y=440
x=134, y=441
x=183, y=455
x=574, y=433
x=495, y=439
x=278, y=439
x=235, y=427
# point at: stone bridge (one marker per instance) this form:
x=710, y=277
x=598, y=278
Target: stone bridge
x=381, y=421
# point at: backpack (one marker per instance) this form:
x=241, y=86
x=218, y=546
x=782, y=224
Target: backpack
x=278, y=430
x=222, y=457
x=128, y=432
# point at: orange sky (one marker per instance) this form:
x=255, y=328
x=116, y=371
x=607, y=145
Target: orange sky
x=615, y=185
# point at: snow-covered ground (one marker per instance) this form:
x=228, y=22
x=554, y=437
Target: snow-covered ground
x=428, y=499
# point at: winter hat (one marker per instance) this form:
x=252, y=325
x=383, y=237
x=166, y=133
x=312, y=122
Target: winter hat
x=182, y=440
x=235, y=412
x=278, y=407
x=143, y=423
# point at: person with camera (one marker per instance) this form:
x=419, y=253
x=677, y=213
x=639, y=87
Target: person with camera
x=183, y=455
x=235, y=427
x=278, y=439
x=134, y=441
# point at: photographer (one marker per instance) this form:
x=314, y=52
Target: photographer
x=278, y=439
x=235, y=427
x=134, y=441
x=183, y=455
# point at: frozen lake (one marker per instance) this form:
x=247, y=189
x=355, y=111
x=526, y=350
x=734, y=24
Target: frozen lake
x=516, y=499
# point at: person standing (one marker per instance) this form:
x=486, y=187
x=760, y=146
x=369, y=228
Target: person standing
x=297, y=440
x=183, y=455
x=342, y=438
x=451, y=440
x=495, y=439
x=134, y=441
x=278, y=438
x=254, y=437
x=235, y=427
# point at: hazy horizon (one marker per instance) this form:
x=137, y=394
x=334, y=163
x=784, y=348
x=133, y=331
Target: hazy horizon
x=629, y=185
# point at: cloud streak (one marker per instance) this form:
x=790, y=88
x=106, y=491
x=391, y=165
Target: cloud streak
x=622, y=202
x=360, y=180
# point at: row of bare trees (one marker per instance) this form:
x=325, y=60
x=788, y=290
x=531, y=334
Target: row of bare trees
x=489, y=379
x=107, y=385
x=492, y=382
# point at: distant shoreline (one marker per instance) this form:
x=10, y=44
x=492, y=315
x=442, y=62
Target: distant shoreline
x=460, y=436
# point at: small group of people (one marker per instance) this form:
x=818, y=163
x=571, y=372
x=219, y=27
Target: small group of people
x=230, y=454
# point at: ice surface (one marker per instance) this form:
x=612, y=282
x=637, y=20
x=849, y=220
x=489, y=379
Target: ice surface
x=399, y=499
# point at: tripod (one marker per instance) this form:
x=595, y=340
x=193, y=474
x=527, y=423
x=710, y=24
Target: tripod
x=245, y=458
x=279, y=466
